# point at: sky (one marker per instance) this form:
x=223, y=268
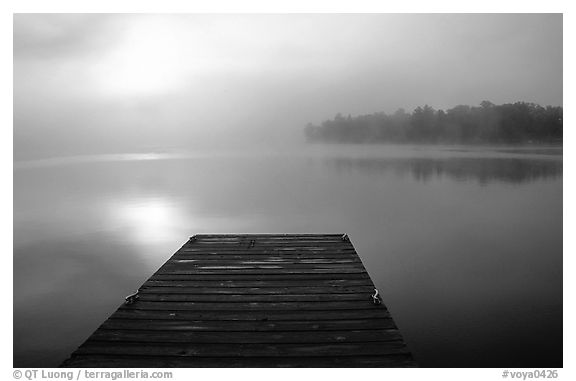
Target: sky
x=112, y=83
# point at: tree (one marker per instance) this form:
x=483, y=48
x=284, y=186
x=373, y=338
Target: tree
x=489, y=123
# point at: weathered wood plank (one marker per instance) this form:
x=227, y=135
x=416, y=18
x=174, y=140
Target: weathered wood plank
x=264, y=256
x=258, y=261
x=294, y=337
x=280, y=236
x=297, y=263
x=270, y=234
x=242, y=350
x=250, y=306
x=249, y=326
x=269, y=242
x=123, y=361
x=315, y=253
x=249, y=246
x=259, y=277
x=239, y=315
x=262, y=284
x=171, y=270
x=280, y=243
x=170, y=289
x=267, y=237
x=338, y=267
x=250, y=298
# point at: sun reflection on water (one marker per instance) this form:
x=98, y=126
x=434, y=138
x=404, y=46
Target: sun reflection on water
x=151, y=221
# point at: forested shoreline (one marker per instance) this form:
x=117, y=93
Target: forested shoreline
x=510, y=123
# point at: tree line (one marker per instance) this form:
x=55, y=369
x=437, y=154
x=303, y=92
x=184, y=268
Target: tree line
x=519, y=122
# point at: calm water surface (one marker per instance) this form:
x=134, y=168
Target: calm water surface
x=464, y=244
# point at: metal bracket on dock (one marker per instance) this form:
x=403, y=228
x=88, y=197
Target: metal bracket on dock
x=376, y=297
x=131, y=298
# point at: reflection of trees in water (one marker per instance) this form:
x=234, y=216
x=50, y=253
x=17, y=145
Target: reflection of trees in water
x=483, y=170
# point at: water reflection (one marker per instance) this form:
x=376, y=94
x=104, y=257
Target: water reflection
x=482, y=170
x=148, y=221
x=64, y=289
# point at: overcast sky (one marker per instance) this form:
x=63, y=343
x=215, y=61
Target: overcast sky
x=137, y=83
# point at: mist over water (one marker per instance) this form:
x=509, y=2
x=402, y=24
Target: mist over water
x=127, y=83
x=465, y=245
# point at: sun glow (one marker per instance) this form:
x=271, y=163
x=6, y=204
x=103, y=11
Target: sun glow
x=149, y=59
x=150, y=220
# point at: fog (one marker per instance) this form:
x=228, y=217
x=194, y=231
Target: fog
x=93, y=84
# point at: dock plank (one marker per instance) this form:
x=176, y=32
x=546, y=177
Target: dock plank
x=248, y=306
x=241, y=350
x=293, y=337
x=261, y=284
x=249, y=326
x=255, y=277
x=251, y=315
x=124, y=361
x=298, y=290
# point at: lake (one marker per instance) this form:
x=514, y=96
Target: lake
x=464, y=244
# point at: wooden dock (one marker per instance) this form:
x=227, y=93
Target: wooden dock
x=270, y=300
